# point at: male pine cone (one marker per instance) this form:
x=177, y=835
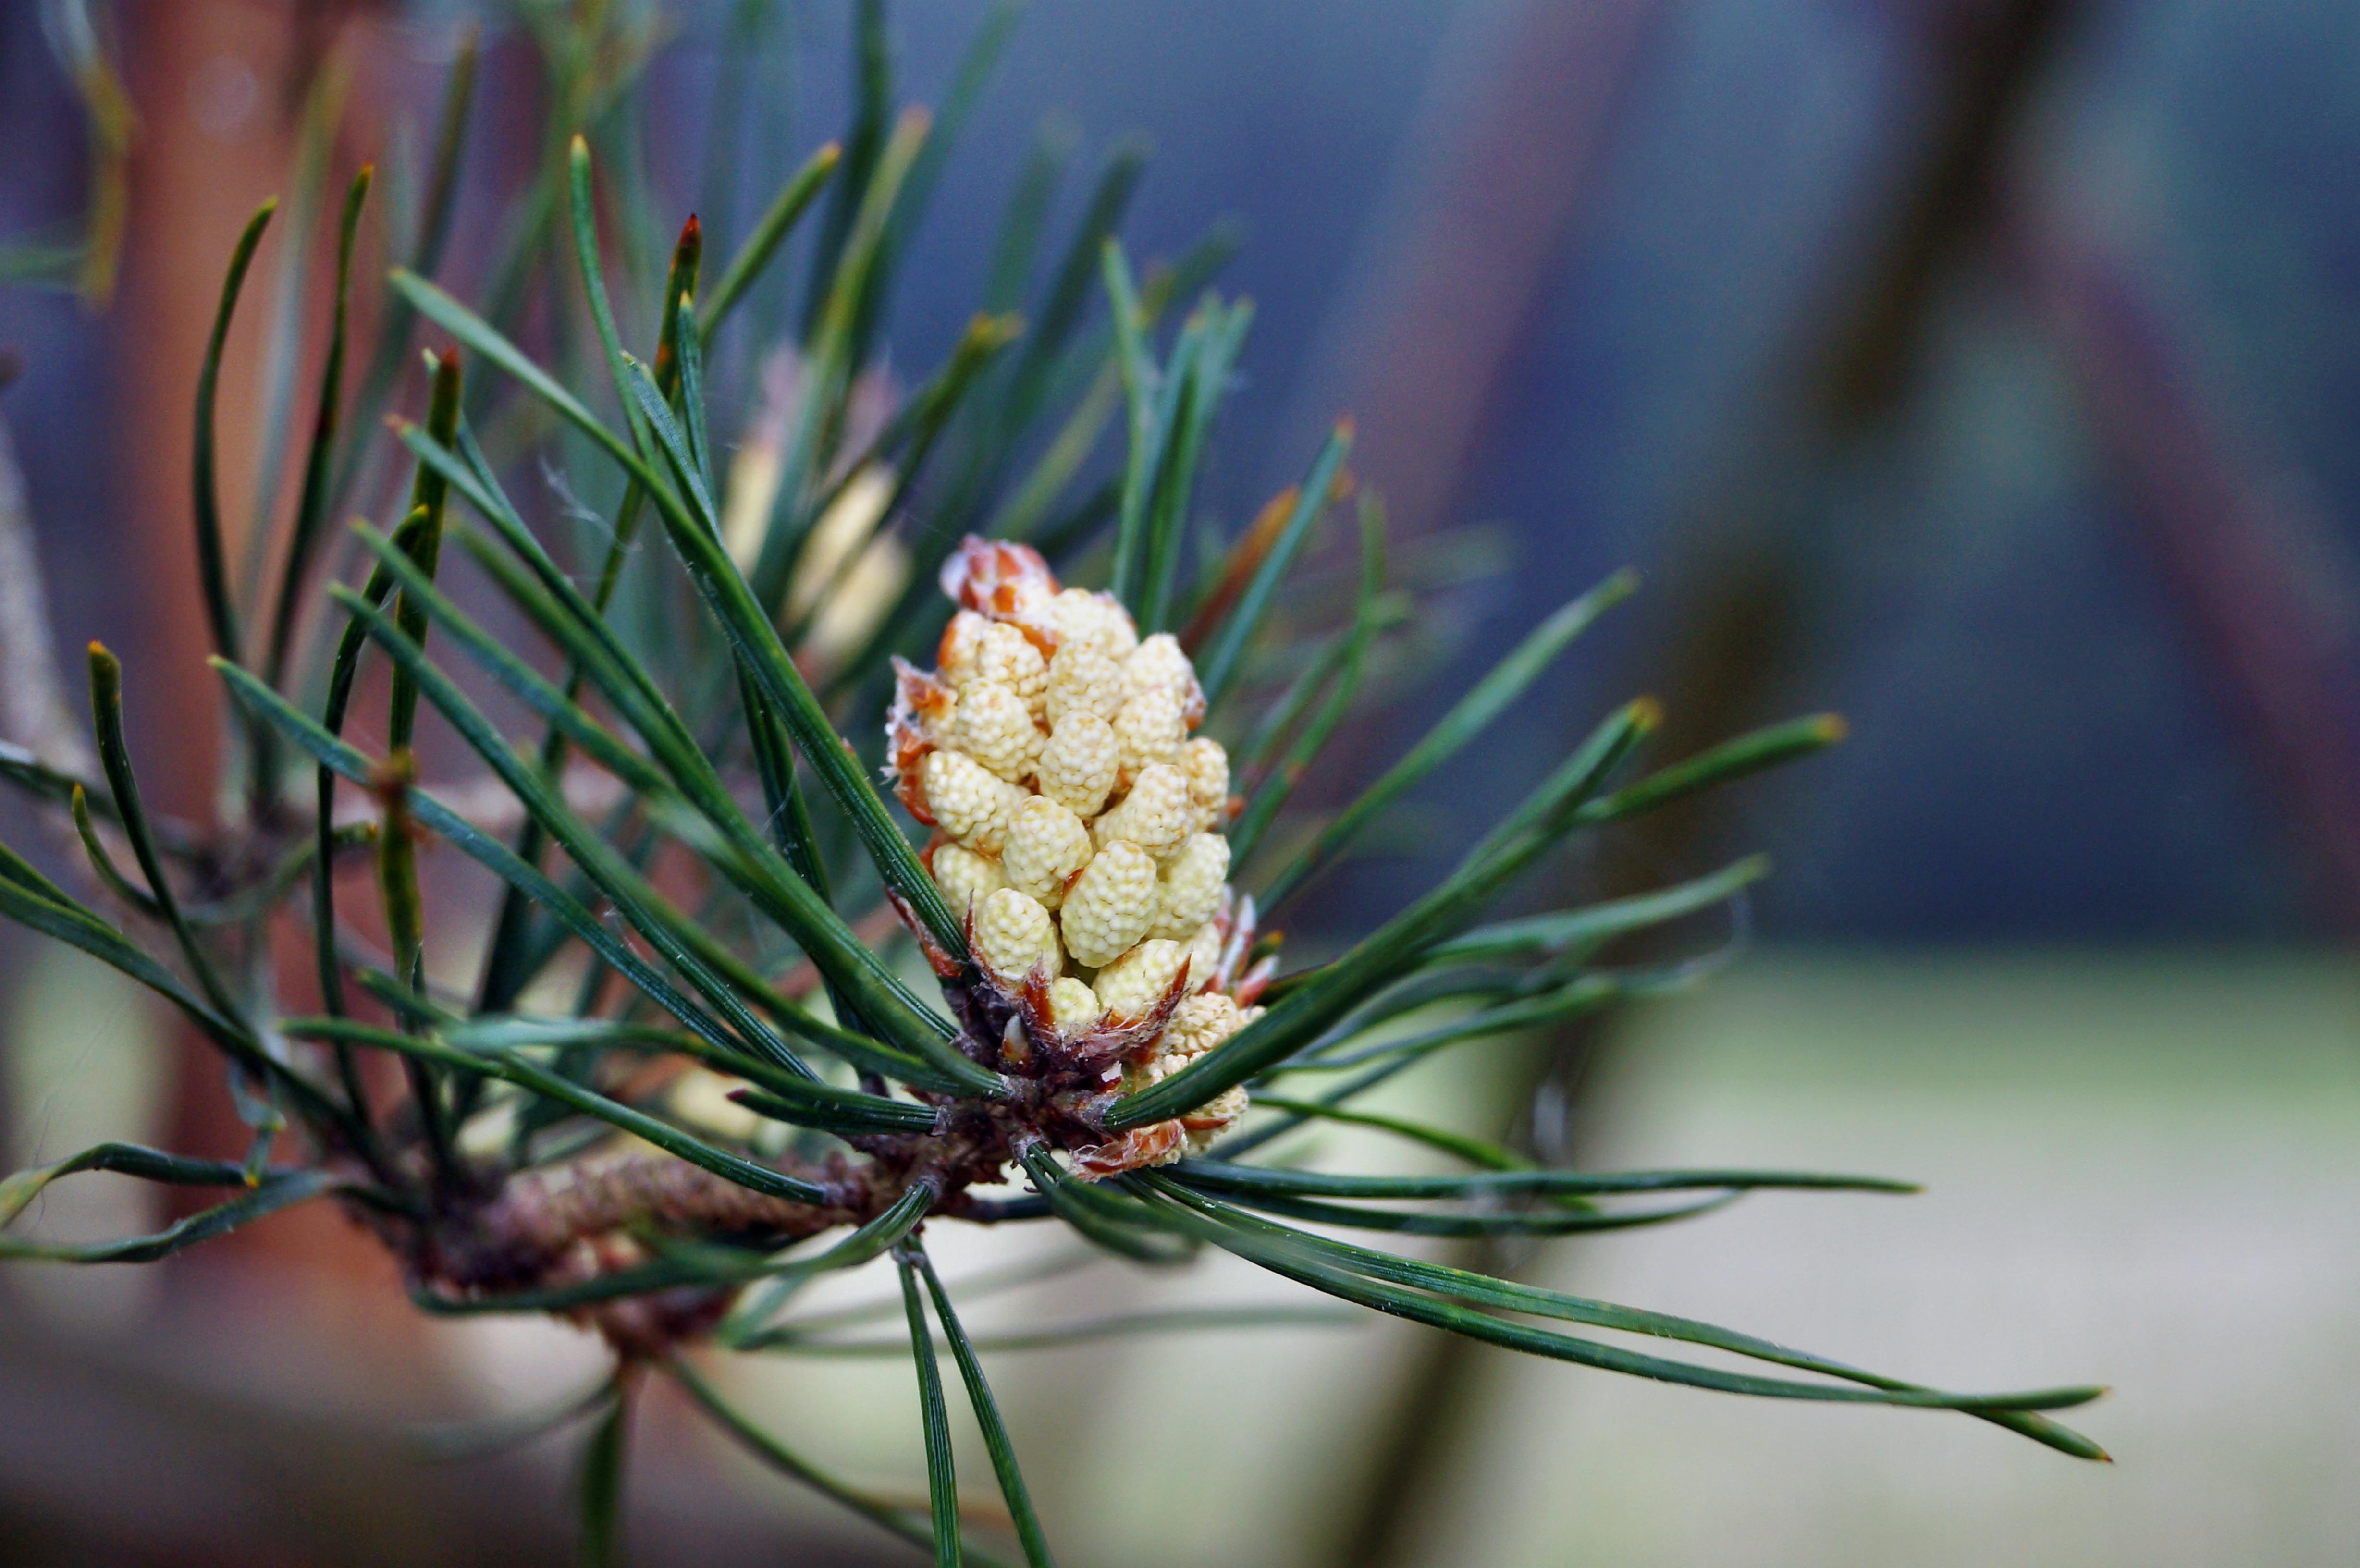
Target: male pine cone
x=1079, y=828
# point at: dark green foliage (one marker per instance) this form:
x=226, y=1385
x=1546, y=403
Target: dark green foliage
x=942, y=1472
x=1220, y=659
x=771, y=1452
x=598, y=1489
x=986, y=1408
x=1337, y=689
x=212, y=572
x=311, y=502
x=1468, y=718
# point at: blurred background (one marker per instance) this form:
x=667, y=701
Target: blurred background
x=1981, y=369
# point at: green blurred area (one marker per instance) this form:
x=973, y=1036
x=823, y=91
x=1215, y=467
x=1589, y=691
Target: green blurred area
x=2138, y=1168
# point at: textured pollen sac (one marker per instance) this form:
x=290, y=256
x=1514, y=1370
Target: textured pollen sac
x=1192, y=888
x=1004, y=655
x=1150, y=727
x=954, y=655
x=1207, y=1122
x=1206, y=768
x=1159, y=662
x=1076, y=615
x=1084, y=678
x=1047, y=846
x=965, y=877
x=1074, y=1006
x=1155, y=815
x=1199, y=1024
x=1205, y=957
x=970, y=803
x=1110, y=905
x=991, y=724
x=1132, y=984
x=1014, y=935
x=1078, y=825
x=1078, y=767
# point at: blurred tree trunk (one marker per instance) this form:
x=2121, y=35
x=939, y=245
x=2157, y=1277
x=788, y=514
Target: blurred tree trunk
x=219, y=86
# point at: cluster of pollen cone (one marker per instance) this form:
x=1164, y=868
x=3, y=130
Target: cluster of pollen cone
x=1078, y=826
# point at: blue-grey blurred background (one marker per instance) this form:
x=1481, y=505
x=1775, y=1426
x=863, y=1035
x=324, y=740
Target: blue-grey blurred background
x=1985, y=370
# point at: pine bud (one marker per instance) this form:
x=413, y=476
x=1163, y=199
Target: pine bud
x=1076, y=821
